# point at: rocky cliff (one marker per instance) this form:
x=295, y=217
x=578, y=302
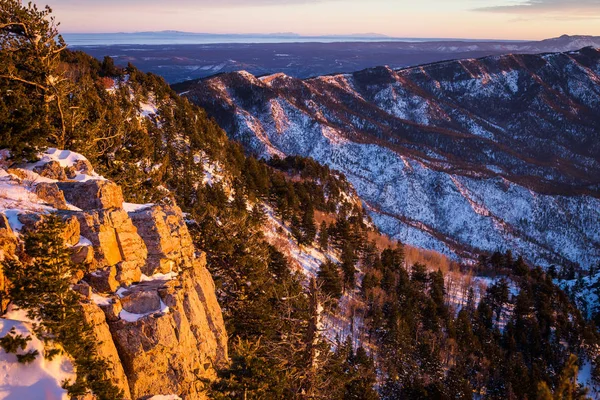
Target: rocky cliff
x=145, y=288
x=460, y=156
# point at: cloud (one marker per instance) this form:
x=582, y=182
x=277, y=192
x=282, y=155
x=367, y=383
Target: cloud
x=563, y=9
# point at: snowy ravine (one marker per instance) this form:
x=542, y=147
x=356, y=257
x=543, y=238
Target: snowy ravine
x=458, y=157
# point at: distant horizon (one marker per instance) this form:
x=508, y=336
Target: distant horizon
x=443, y=19
x=373, y=36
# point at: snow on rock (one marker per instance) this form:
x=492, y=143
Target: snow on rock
x=131, y=317
x=101, y=300
x=159, y=277
x=41, y=379
x=67, y=158
x=165, y=397
x=131, y=208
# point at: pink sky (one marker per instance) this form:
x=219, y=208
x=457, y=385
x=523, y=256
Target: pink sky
x=502, y=19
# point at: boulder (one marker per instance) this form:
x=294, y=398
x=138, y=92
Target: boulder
x=49, y=193
x=95, y=317
x=51, y=170
x=92, y=194
x=142, y=298
x=113, y=309
x=104, y=280
x=71, y=172
x=128, y=272
x=19, y=173
x=83, y=167
x=167, y=238
x=82, y=255
x=83, y=289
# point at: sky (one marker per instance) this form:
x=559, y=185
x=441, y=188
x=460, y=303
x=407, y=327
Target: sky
x=476, y=19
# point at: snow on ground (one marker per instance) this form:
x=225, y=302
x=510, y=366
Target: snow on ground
x=448, y=213
x=17, y=188
x=584, y=291
x=165, y=397
x=39, y=380
x=148, y=109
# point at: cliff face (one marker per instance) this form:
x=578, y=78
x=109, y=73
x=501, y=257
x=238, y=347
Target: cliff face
x=145, y=288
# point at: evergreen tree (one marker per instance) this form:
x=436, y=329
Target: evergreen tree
x=329, y=279
x=323, y=236
x=308, y=226
x=31, y=80
x=42, y=287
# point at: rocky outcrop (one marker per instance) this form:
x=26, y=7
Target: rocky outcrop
x=116, y=242
x=51, y=194
x=51, y=170
x=70, y=233
x=92, y=194
x=8, y=247
x=161, y=334
x=171, y=351
x=205, y=289
x=95, y=317
x=166, y=236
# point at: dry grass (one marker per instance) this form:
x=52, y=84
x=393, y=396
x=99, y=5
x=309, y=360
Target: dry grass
x=431, y=259
x=321, y=216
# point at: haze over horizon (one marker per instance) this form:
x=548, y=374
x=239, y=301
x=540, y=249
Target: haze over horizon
x=499, y=19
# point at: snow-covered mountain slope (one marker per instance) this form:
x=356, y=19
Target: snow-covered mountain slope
x=460, y=156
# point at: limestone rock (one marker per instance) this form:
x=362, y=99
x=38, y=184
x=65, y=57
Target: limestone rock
x=8, y=240
x=83, y=166
x=115, y=240
x=104, y=280
x=50, y=193
x=8, y=247
x=71, y=172
x=19, y=173
x=167, y=238
x=71, y=233
x=112, y=309
x=161, y=353
x=205, y=288
x=84, y=289
x=92, y=194
x=106, y=348
x=51, y=170
x=142, y=298
x=82, y=255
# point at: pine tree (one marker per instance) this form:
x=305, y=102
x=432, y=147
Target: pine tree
x=348, y=259
x=42, y=287
x=30, y=51
x=329, y=279
x=309, y=229
x=323, y=236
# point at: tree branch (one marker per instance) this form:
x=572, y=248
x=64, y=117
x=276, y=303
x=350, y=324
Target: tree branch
x=16, y=78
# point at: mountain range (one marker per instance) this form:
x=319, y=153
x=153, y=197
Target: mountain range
x=181, y=57
x=462, y=157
